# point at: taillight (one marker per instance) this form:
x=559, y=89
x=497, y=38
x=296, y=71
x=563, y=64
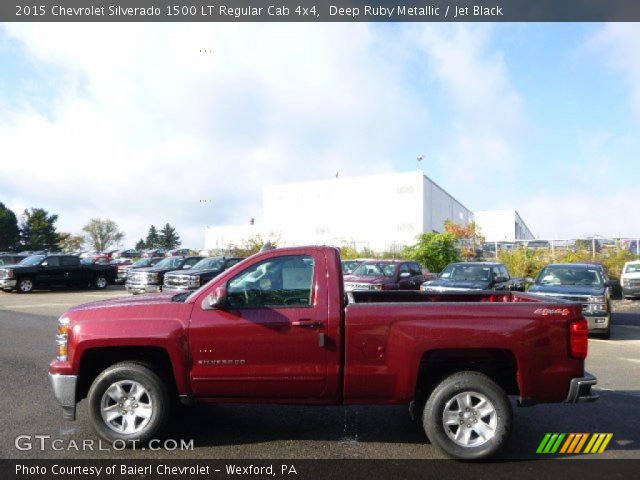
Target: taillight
x=579, y=338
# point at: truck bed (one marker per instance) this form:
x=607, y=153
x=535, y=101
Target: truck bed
x=412, y=296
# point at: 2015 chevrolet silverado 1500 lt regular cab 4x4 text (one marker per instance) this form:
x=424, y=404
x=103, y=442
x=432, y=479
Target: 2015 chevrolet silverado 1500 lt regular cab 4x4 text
x=279, y=328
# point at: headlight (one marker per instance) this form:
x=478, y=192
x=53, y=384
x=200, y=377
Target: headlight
x=194, y=281
x=10, y=272
x=600, y=299
x=62, y=339
x=376, y=287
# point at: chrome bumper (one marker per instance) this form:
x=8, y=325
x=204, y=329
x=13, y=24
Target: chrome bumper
x=64, y=389
x=6, y=283
x=142, y=288
x=175, y=288
x=598, y=322
x=580, y=389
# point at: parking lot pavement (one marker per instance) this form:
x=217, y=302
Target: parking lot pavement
x=55, y=302
x=271, y=431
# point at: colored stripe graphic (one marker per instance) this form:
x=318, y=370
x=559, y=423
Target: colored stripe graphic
x=574, y=443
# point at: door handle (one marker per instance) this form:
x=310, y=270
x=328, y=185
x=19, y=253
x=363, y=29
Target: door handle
x=306, y=323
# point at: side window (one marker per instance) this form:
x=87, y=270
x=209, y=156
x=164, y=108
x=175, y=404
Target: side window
x=53, y=261
x=404, y=268
x=504, y=272
x=277, y=282
x=69, y=261
x=415, y=269
x=495, y=271
x=191, y=262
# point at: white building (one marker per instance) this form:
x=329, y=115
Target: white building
x=502, y=226
x=381, y=212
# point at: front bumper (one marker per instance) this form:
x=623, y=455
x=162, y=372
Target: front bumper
x=143, y=288
x=6, y=283
x=598, y=322
x=631, y=291
x=175, y=288
x=580, y=389
x=64, y=389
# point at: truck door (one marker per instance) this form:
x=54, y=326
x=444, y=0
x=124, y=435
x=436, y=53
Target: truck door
x=267, y=342
x=74, y=274
x=51, y=272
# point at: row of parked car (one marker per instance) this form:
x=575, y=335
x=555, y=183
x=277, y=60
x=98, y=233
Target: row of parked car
x=587, y=283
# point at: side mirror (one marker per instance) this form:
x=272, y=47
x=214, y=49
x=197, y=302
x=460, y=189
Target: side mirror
x=529, y=280
x=186, y=267
x=44, y=264
x=405, y=275
x=216, y=300
x=500, y=279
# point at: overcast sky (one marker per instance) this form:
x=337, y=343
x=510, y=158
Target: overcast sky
x=136, y=123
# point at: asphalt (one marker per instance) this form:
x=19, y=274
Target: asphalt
x=28, y=322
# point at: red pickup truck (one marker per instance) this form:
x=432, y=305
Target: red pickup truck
x=278, y=327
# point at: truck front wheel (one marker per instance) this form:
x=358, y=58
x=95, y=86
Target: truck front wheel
x=468, y=416
x=25, y=285
x=129, y=402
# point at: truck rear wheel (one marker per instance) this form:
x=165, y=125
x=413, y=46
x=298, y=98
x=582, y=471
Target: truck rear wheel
x=101, y=282
x=468, y=416
x=129, y=402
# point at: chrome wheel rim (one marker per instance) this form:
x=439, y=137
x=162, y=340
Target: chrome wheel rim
x=470, y=419
x=26, y=285
x=126, y=407
x=101, y=282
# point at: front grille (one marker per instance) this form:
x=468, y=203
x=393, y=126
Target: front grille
x=176, y=280
x=634, y=282
x=136, y=277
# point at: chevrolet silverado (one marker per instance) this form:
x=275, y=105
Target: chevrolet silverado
x=278, y=327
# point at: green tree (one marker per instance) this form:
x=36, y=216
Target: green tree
x=434, y=250
x=251, y=246
x=140, y=245
x=169, y=237
x=9, y=231
x=102, y=233
x=38, y=230
x=153, y=239
x=70, y=243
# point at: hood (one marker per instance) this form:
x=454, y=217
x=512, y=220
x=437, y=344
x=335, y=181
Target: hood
x=631, y=275
x=567, y=289
x=191, y=272
x=157, y=270
x=134, y=300
x=367, y=279
x=462, y=284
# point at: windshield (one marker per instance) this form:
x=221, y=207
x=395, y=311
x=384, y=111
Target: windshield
x=209, y=263
x=170, y=262
x=143, y=262
x=570, y=276
x=376, y=270
x=632, y=268
x=32, y=260
x=467, y=272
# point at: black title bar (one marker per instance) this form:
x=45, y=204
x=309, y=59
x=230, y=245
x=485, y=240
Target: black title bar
x=319, y=11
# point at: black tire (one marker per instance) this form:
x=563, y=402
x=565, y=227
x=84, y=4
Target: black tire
x=443, y=396
x=158, y=394
x=100, y=282
x=25, y=285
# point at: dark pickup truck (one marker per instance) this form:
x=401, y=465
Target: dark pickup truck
x=39, y=271
x=585, y=283
x=279, y=328
x=198, y=275
x=150, y=279
x=468, y=276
